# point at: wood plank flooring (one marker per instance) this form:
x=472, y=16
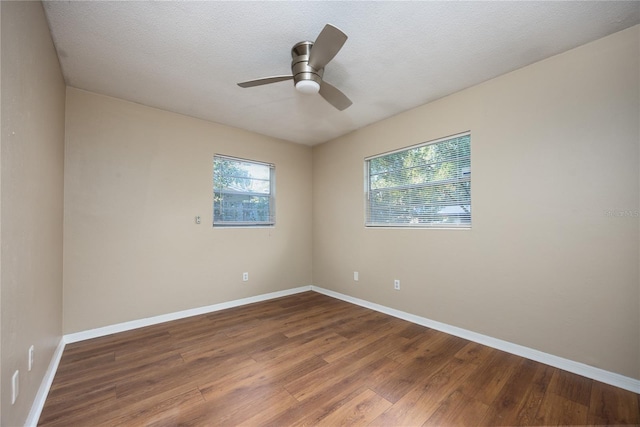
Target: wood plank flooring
x=309, y=359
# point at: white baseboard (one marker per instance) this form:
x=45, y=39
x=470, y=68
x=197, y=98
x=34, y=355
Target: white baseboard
x=140, y=323
x=588, y=371
x=45, y=385
x=592, y=372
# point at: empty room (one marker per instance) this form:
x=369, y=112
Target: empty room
x=319, y=213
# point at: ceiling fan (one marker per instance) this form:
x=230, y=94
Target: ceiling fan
x=307, y=67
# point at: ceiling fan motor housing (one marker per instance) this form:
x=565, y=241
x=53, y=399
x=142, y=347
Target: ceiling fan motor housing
x=300, y=64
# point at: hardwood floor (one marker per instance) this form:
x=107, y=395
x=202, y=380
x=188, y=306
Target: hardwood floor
x=309, y=359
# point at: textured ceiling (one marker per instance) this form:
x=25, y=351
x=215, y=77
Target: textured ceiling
x=187, y=57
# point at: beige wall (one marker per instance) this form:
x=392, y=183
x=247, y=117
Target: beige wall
x=135, y=178
x=33, y=97
x=554, y=146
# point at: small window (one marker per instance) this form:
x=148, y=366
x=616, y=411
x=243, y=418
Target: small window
x=427, y=185
x=243, y=193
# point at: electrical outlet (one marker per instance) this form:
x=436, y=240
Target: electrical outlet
x=396, y=284
x=31, y=357
x=245, y=277
x=355, y=276
x=198, y=220
x=15, y=386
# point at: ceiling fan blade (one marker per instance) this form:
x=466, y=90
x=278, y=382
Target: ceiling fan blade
x=334, y=96
x=264, y=81
x=327, y=45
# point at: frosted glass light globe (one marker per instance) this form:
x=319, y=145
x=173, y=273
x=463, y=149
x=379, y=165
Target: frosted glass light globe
x=307, y=86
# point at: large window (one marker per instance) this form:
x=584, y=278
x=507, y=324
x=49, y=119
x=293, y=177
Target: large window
x=427, y=185
x=243, y=192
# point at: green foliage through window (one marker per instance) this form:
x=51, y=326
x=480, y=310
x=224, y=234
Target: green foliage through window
x=243, y=192
x=428, y=185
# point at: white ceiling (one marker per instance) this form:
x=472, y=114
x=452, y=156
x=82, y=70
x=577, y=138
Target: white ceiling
x=187, y=57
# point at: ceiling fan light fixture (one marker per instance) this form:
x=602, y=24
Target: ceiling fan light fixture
x=308, y=60
x=308, y=86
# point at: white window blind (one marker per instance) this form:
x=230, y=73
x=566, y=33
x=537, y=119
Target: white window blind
x=427, y=185
x=243, y=192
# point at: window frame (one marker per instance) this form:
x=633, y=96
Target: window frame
x=371, y=223
x=271, y=196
